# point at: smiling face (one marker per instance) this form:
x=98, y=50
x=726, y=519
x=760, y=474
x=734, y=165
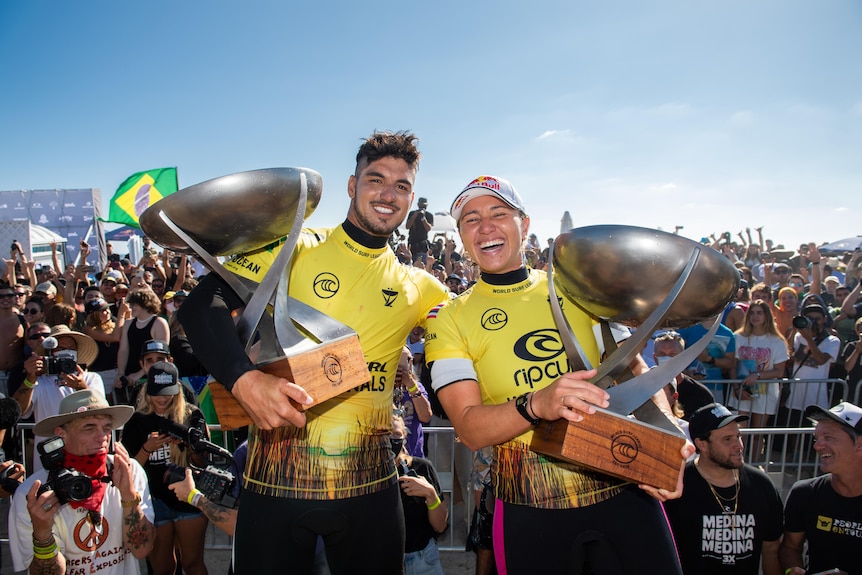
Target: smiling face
x=380, y=195
x=839, y=452
x=493, y=234
x=787, y=301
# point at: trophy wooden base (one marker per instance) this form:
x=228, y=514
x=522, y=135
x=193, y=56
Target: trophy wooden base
x=324, y=371
x=616, y=445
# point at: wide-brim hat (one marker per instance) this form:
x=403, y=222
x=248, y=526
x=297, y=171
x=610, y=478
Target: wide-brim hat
x=87, y=348
x=83, y=403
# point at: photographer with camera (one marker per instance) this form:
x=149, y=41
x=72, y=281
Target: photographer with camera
x=221, y=508
x=158, y=435
x=814, y=349
x=95, y=515
x=419, y=223
x=56, y=369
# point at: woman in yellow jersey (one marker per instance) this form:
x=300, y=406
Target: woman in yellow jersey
x=499, y=368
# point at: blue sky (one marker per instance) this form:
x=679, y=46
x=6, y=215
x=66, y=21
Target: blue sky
x=711, y=115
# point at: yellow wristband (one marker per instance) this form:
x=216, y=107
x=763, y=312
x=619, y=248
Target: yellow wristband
x=413, y=389
x=29, y=384
x=788, y=570
x=191, y=496
x=434, y=505
x=45, y=556
x=133, y=503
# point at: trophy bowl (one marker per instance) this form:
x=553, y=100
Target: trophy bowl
x=623, y=273
x=233, y=214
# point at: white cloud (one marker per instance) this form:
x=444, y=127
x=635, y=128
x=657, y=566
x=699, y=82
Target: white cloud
x=548, y=134
x=663, y=188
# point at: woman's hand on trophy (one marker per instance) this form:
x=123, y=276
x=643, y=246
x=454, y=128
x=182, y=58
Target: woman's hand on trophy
x=268, y=399
x=663, y=494
x=570, y=397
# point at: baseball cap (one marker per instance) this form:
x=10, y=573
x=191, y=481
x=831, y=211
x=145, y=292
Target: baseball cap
x=709, y=417
x=156, y=346
x=163, y=379
x=486, y=186
x=844, y=413
x=422, y=202
x=95, y=305
x=46, y=288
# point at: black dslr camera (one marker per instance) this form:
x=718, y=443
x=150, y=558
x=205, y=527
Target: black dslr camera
x=67, y=484
x=6, y=482
x=61, y=362
x=801, y=322
x=216, y=484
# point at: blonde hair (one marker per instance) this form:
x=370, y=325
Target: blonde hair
x=178, y=411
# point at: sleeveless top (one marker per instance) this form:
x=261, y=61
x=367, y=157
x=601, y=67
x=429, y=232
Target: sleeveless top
x=136, y=338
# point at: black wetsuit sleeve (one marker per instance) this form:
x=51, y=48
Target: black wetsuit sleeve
x=206, y=317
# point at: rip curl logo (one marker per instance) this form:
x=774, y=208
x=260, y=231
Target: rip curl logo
x=326, y=285
x=624, y=447
x=539, y=345
x=389, y=297
x=494, y=319
x=90, y=536
x=331, y=368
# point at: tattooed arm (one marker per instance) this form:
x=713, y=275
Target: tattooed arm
x=138, y=532
x=223, y=517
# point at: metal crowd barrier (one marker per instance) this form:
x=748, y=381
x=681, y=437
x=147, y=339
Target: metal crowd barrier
x=786, y=455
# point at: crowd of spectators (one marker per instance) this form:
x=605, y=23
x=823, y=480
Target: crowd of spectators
x=121, y=320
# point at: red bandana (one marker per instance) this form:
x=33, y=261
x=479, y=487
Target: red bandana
x=95, y=466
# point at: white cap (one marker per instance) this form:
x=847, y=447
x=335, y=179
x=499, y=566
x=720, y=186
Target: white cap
x=486, y=186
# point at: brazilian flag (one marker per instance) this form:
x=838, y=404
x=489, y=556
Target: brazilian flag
x=139, y=192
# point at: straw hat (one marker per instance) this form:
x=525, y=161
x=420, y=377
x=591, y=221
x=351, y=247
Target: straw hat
x=87, y=348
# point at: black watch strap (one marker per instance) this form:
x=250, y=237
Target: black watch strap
x=521, y=406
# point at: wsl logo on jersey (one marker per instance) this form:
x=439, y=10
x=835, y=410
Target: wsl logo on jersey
x=543, y=349
x=326, y=285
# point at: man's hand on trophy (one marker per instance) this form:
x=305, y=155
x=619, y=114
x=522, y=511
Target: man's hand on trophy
x=663, y=494
x=267, y=399
x=570, y=397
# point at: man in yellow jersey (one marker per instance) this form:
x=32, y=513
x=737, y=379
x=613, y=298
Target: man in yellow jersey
x=327, y=471
x=499, y=368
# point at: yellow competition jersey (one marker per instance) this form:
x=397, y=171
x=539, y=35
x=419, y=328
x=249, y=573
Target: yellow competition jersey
x=510, y=336
x=343, y=451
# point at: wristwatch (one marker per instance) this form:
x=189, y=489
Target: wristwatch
x=521, y=406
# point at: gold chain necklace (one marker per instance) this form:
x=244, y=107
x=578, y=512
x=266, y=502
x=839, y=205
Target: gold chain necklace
x=723, y=503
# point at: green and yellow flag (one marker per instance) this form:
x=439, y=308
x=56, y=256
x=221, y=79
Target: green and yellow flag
x=139, y=192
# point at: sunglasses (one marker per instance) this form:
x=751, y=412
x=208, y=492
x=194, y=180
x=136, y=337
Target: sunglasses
x=38, y=336
x=31, y=310
x=6, y=295
x=20, y=293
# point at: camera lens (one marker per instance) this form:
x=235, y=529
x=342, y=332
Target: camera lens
x=801, y=322
x=79, y=488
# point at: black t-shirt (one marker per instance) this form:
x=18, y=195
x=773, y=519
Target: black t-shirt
x=711, y=541
x=832, y=524
x=417, y=233
x=419, y=530
x=135, y=434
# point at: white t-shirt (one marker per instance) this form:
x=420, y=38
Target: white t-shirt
x=759, y=353
x=47, y=396
x=86, y=549
x=804, y=394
